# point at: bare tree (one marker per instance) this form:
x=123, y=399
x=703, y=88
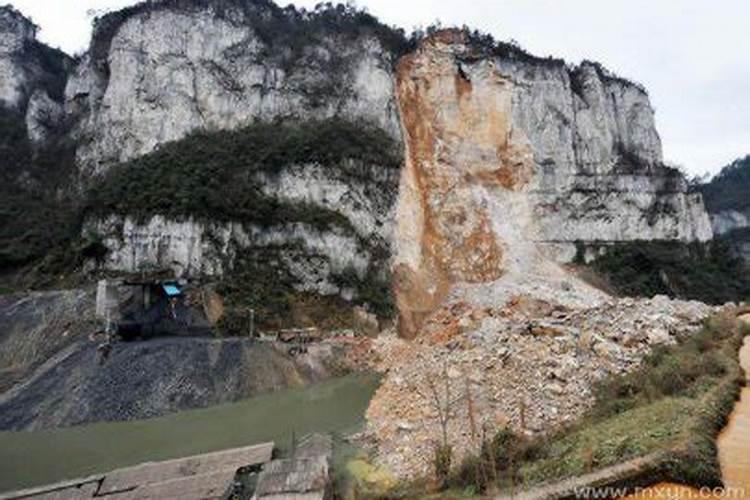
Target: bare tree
x=440, y=397
x=441, y=400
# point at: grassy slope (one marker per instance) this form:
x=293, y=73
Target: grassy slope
x=676, y=403
x=630, y=434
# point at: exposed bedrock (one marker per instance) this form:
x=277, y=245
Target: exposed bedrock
x=511, y=161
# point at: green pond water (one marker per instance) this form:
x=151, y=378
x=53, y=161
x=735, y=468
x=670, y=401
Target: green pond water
x=42, y=457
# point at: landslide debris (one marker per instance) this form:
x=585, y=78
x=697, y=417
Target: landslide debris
x=530, y=364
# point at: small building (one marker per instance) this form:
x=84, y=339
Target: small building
x=149, y=308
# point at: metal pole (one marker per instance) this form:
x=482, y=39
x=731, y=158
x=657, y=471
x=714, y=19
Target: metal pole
x=252, y=323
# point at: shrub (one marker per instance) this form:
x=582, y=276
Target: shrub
x=215, y=175
x=708, y=272
x=36, y=219
x=474, y=472
x=442, y=460
x=503, y=449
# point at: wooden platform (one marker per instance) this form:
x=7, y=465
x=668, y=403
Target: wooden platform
x=206, y=476
x=303, y=476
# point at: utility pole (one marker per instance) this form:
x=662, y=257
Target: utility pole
x=252, y=323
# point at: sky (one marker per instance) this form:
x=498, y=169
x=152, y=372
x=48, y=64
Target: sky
x=693, y=56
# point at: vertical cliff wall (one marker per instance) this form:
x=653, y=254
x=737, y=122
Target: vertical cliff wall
x=460, y=147
x=511, y=160
x=32, y=75
x=156, y=72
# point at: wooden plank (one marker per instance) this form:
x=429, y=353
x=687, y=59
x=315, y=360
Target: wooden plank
x=209, y=486
x=198, y=465
x=68, y=490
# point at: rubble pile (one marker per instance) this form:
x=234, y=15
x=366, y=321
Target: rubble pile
x=530, y=364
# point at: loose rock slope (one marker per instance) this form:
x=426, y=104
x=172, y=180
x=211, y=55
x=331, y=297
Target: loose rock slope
x=528, y=363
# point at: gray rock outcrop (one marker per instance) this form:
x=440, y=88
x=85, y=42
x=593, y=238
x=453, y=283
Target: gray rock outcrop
x=162, y=71
x=32, y=75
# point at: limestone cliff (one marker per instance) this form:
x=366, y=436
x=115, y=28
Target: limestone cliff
x=511, y=159
x=32, y=75
x=511, y=162
x=157, y=71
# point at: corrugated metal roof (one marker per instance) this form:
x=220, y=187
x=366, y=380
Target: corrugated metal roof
x=172, y=290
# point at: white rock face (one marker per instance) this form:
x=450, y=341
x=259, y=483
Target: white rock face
x=312, y=185
x=511, y=160
x=314, y=256
x=598, y=160
x=193, y=248
x=586, y=141
x=31, y=75
x=172, y=72
x=15, y=32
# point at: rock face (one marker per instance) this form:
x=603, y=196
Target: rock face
x=193, y=248
x=317, y=257
x=159, y=71
x=156, y=73
x=16, y=32
x=32, y=75
x=510, y=159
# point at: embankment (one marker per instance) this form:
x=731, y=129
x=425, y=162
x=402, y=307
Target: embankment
x=52, y=375
x=148, y=379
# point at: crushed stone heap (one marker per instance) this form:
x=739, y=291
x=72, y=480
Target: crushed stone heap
x=529, y=363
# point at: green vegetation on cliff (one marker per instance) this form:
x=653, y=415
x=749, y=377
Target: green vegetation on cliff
x=215, y=175
x=36, y=216
x=222, y=176
x=730, y=190
x=260, y=279
x=708, y=272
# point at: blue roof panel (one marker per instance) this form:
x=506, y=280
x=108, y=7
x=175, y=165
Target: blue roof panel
x=172, y=290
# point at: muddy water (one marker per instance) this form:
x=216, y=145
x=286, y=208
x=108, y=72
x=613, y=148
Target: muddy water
x=734, y=450
x=42, y=457
x=734, y=441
